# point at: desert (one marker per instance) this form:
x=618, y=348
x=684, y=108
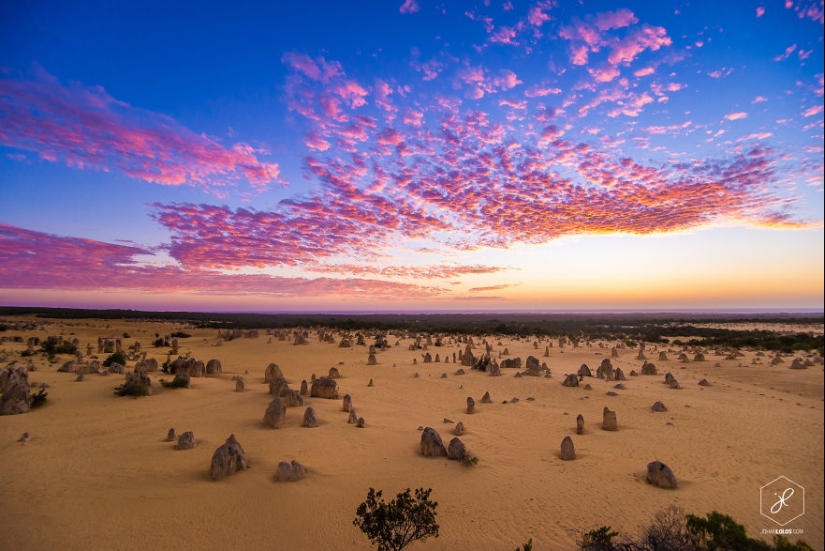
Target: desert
x=98, y=471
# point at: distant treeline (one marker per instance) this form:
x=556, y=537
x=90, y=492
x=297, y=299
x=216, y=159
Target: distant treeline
x=629, y=327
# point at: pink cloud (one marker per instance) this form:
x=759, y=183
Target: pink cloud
x=736, y=116
x=413, y=117
x=507, y=81
x=720, y=73
x=788, y=51
x=760, y=11
x=810, y=112
x=578, y=55
x=512, y=103
x=314, y=141
x=492, y=288
x=409, y=6
x=536, y=91
x=811, y=9
x=465, y=180
x=87, y=128
x=647, y=38
x=351, y=92
x=35, y=260
x=644, y=72
x=536, y=17
x=615, y=20
x=442, y=271
x=506, y=35
x=605, y=73
x=317, y=69
x=430, y=69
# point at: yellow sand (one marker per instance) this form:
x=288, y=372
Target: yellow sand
x=96, y=472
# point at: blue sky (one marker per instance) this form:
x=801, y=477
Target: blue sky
x=412, y=155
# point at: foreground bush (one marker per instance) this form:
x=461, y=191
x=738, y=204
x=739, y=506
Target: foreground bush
x=673, y=531
x=396, y=524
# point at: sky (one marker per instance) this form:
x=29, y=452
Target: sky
x=412, y=155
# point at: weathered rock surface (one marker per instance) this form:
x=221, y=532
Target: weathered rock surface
x=310, y=419
x=431, y=444
x=659, y=474
x=275, y=413
x=609, y=420
x=568, y=451
x=228, y=459
x=290, y=471
x=186, y=441
x=455, y=450
x=324, y=387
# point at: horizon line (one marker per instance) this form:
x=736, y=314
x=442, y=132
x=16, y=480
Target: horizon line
x=549, y=311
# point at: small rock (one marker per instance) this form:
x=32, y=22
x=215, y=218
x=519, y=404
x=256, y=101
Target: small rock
x=360, y=424
x=568, y=452
x=658, y=406
x=186, y=441
x=455, y=450
x=659, y=474
x=170, y=436
x=289, y=471
x=431, y=445
x=310, y=419
x=609, y=420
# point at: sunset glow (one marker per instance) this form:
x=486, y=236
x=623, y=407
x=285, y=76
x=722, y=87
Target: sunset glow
x=412, y=155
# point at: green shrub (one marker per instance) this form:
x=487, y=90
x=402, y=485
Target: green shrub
x=117, y=357
x=600, y=539
x=38, y=399
x=175, y=383
x=671, y=531
x=135, y=390
x=396, y=524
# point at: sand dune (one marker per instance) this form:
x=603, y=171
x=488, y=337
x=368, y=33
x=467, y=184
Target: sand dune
x=97, y=473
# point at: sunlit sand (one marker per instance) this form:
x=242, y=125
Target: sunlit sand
x=97, y=471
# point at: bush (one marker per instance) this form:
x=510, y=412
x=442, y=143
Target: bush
x=175, y=383
x=180, y=335
x=600, y=539
x=63, y=348
x=396, y=524
x=671, y=531
x=38, y=399
x=117, y=357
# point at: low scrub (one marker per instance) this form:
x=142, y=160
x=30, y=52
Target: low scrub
x=671, y=530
